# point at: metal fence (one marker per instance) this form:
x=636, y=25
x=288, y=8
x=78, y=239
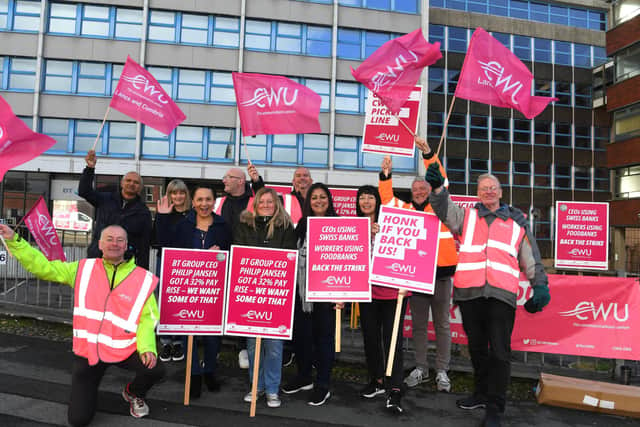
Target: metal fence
x=21, y=293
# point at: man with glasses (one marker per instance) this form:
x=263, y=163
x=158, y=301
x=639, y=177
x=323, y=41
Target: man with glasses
x=497, y=248
x=238, y=195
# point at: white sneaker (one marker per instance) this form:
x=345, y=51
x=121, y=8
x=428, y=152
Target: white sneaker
x=247, y=397
x=415, y=377
x=137, y=406
x=243, y=359
x=273, y=401
x=442, y=382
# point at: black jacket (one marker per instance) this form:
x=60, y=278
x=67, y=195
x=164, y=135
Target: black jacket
x=111, y=208
x=185, y=234
x=246, y=235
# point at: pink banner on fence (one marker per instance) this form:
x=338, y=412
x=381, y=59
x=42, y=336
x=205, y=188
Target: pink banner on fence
x=141, y=97
x=383, y=133
x=44, y=233
x=405, y=250
x=582, y=235
x=338, y=259
x=588, y=316
x=261, y=293
x=192, y=289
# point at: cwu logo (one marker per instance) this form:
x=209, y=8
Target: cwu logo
x=140, y=82
x=263, y=97
x=337, y=280
x=393, y=73
x=388, y=137
x=580, y=252
x=48, y=231
x=494, y=69
x=587, y=310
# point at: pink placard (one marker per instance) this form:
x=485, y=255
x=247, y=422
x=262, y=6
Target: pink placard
x=261, y=293
x=464, y=201
x=383, y=133
x=338, y=259
x=192, y=291
x=405, y=250
x=582, y=235
x=344, y=200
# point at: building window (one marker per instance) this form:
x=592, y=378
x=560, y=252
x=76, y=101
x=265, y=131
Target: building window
x=583, y=137
x=191, y=85
x=57, y=129
x=452, y=80
x=627, y=63
x=457, y=41
x=318, y=41
x=626, y=123
x=194, y=29
x=226, y=32
x=563, y=134
x=456, y=170
x=542, y=175
x=563, y=93
x=457, y=127
x=582, y=178
x=436, y=80
x=522, y=131
x=583, y=95
x=501, y=171
x=62, y=18
x=349, y=98
x=257, y=35
x=373, y=41
x=349, y=42
x=26, y=16
x=154, y=144
x=521, y=174
x=95, y=21
x=542, y=50
x=22, y=74
x=121, y=139
x=500, y=130
x=315, y=150
x=288, y=38
x=542, y=132
x=128, y=24
x=522, y=47
x=346, y=151
x=562, y=53
x=284, y=149
x=562, y=177
x=257, y=148
x=478, y=130
x=162, y=26
x=92, y=78
x=189, y=142
x=322, y=88
x=582, y=55
x=222, y=88
x=627, y=183
x=85, y=133
x=58, y=76
x=221, y=145
x=436, y=34
x=476, y=168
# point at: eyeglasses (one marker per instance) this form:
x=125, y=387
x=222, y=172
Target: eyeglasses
x=231, y=176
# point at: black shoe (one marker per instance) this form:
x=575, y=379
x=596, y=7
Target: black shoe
x=287, y=359
x=177, y=354
x=393, y=402
x=472, y=402
x=210, y=381
x=319, y=396
x=195, y=389
x=297, y=385
x=372, y=389
x=165, y=353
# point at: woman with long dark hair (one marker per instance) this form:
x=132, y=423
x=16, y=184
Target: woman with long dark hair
x=377, y=317
x=314, y=323
x=266, y=224
x=200, y=229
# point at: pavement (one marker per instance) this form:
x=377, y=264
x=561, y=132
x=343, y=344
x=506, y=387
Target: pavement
x=35, y=385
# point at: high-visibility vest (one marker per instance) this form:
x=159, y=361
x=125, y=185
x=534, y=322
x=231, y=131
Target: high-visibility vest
x=105, y=320
x=217, y=205
x=447, y=253
x=489, y=254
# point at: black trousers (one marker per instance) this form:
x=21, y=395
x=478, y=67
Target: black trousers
x=314, y=341
x=488, y=323
x=85, y=380
x=377, y=319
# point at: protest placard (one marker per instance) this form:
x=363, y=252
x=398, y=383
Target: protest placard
x=405, y=250
x=261, y=292
x=192, y=291
x=582, y=235
x=383, y=133
x=338, y=259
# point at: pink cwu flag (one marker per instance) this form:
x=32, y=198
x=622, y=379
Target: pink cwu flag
x=391, y=72
x=271, y=105
x=39, y=223
x=18, y=143
x=493, y=75
x=140, y=96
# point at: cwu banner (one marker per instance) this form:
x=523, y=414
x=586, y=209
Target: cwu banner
x=140, y=96
x=587, y=316
x=39, y=223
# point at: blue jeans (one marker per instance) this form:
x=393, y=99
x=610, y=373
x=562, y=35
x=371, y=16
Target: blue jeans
x=270, y=370
x=211, y=347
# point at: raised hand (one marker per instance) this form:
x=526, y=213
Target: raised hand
x=422, y=145
x=91, y=159
x=386, y=165
x=164, y=206
x=253, y=172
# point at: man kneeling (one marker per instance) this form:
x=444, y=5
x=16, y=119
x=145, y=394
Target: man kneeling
x=114, y=317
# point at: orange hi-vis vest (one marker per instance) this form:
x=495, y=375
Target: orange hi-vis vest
x=105, y=320
x=217, y=205
x=489, y=254
x=447, y=252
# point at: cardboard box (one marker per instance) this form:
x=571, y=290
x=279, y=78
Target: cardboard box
x=595, y=396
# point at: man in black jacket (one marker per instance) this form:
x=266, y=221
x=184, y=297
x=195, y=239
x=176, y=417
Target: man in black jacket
x=124, y=207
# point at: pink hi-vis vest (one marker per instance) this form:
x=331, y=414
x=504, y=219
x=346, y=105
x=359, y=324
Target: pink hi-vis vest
x=217, y=205
x=489, y=254
x=105, y=321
